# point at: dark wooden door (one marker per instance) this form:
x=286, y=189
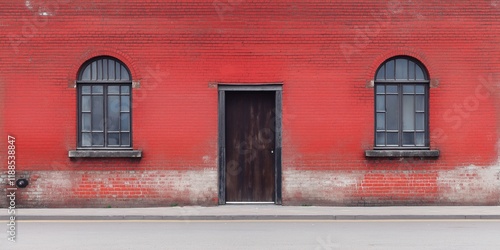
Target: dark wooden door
x=250, y=145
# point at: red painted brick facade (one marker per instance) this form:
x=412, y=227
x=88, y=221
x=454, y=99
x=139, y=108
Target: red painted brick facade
x=325, y=53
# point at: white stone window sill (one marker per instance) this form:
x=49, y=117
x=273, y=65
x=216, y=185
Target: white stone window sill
x=395, y=153
x=108, y=153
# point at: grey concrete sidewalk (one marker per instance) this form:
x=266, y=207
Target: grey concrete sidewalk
x=258, y=212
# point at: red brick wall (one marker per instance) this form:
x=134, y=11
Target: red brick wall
x=324, y=52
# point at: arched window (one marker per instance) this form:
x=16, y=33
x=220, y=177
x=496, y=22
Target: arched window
x=104, y=104
x=402, y=104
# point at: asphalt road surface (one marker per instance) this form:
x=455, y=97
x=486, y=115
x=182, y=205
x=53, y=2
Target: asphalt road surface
x=358, y=234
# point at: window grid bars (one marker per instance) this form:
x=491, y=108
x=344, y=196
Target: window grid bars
x=106, y=131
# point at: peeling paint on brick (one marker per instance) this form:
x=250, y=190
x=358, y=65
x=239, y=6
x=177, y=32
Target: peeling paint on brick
x=470, y=185
x=120, y=189
x=302, y=187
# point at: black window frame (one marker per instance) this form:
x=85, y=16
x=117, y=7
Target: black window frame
x=395, y=79
x=100, y=76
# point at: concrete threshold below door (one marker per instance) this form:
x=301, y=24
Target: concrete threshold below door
x=250, y=203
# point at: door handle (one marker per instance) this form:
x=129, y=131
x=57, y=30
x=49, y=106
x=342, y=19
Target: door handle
x=272, y=151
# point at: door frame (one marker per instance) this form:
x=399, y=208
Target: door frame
x=277, y=88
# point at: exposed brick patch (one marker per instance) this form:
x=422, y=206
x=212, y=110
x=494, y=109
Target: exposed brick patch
x=119, y=188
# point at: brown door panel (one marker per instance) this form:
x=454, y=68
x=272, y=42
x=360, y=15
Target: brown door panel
x=250, y=145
